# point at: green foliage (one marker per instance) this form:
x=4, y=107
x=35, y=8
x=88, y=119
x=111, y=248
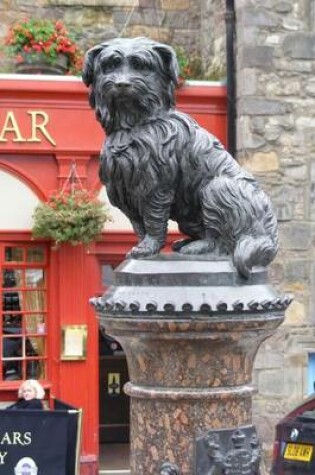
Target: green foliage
x=74, y=216
x=191, y=67
x=48, y=38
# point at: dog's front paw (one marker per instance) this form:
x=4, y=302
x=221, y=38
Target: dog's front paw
x=147, y=247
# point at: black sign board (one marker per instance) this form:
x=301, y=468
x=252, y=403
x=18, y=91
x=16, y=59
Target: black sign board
x=39, y=442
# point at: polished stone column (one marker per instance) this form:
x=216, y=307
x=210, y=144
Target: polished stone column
x=190, y=328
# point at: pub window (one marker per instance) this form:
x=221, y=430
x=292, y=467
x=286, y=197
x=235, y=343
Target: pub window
x=107, y=275
x=23, y=312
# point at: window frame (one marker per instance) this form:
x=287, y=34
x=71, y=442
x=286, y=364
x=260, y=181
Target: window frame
x=26, y=362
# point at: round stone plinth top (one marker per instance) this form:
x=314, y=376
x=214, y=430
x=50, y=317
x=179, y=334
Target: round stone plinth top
x=172, y=284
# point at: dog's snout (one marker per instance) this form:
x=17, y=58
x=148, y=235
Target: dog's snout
x=122, y=84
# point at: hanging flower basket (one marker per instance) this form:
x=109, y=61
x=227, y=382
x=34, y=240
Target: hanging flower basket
x=70, y=216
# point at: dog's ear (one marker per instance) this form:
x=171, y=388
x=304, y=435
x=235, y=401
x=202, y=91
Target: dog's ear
x=88, y=66
x=168, y=56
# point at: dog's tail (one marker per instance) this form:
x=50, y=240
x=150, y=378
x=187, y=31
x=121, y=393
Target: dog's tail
x=253, y=251
x=239, y=212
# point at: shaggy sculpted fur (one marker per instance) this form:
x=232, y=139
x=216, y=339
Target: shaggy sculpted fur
x=158, y=164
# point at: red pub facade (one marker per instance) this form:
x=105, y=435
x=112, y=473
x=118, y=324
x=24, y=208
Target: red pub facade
x=48, y=329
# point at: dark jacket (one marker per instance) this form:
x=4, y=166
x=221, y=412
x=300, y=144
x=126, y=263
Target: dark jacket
x=23, y=404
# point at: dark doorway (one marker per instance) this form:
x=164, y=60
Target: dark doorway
x=113, y=402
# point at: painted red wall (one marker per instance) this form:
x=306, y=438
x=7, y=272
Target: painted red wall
x=40, y=154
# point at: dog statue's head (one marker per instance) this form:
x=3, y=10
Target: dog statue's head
x=131, y=81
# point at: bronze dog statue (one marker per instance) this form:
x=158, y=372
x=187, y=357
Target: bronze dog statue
x=158, y=164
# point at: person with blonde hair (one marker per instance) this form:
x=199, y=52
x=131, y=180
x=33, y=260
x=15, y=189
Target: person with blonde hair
x=30, y=395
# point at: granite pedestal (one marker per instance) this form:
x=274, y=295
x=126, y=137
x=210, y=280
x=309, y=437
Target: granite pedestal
x=190, y=328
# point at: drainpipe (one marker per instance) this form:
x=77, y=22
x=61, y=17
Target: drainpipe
x=230, y=77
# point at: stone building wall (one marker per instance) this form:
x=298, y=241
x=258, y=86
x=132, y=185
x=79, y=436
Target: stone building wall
x=176, y=22
x=276, y=141
x=213, y=37
x=198, y=26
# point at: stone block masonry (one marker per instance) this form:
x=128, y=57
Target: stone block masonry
x=196, y=25
x=176, y=22
x=276, y=101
